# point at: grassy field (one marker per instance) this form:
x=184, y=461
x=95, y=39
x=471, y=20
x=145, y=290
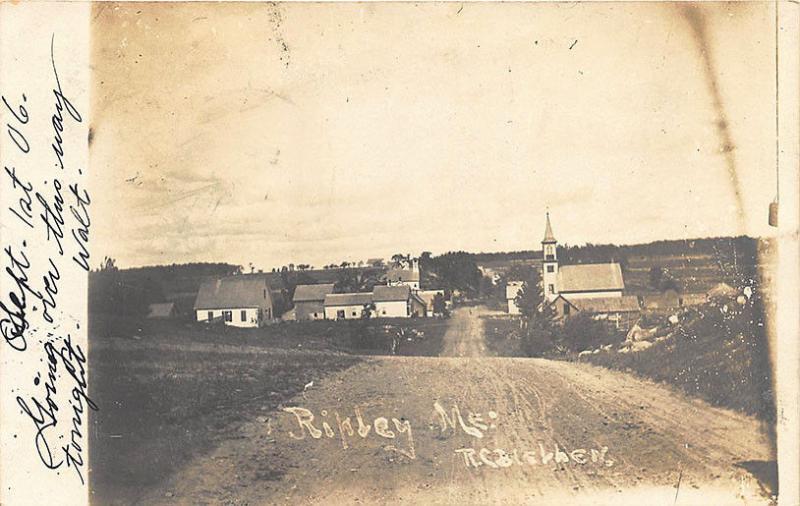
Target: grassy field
x=419, y=336
x=161, y=405
x=169, y=391
x=503, y=336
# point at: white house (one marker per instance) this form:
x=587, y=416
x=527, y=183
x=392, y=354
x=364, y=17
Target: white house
x=403, y=277
x=240, y=301
x=346, y=306
x=397, y=302
x=512, y=290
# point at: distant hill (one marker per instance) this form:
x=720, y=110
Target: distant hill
x=695, y=264
x=129, y=291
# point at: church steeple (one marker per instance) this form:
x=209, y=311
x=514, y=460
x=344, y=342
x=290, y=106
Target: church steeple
x=549, y=238
x=549, y=262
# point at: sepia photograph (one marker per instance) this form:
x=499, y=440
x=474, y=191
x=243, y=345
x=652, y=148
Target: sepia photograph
x=408, y=253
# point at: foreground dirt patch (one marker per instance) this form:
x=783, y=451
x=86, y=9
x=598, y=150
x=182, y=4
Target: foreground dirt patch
x=162, y=404
x=528, y=430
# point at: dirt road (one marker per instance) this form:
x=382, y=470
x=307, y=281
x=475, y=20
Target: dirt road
x=464, y=336
x=481, y=430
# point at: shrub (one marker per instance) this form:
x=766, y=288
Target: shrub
x=582, y=332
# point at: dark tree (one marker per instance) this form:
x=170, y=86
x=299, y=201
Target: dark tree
x=656, y=275
x=439, y=305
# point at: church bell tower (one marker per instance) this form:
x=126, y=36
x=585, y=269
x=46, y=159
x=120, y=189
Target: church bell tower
x=549, y=263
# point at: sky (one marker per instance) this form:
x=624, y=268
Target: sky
x=317, y=133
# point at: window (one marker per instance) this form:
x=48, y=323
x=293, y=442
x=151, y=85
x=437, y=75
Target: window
x=265, y=293
x=551, y=288
x=551, y=268
x=354, y=313
x=210, y=315
x=244, y=315
x=340, y=313
x=566, y=309
x=227, y=315
x=315, y=315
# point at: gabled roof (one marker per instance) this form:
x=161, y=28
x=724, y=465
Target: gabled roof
x=233, y=292
x=391, y=293
x=416, y=296
x=548, y=232
x=590, y=277
x=408, y=275
x=562, y=299
x=274, y=280
x=160, y=310
x=348, y=299
x=624, y=304
x=312, y=293
x=427, y=296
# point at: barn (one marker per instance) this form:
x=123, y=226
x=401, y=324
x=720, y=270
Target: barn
x=618, y=312
x=239, y=301
x=346, y=306
x=309, y=301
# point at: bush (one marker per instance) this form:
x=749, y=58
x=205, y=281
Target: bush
x=582, y=332
x=577, y=333
x=539, y=343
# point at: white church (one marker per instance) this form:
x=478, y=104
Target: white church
x=594, y=288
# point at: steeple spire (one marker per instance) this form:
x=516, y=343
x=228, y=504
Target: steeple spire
x=548, y=232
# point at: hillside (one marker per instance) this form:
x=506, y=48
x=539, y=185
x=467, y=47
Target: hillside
x=695, y=265
x=718, y=352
